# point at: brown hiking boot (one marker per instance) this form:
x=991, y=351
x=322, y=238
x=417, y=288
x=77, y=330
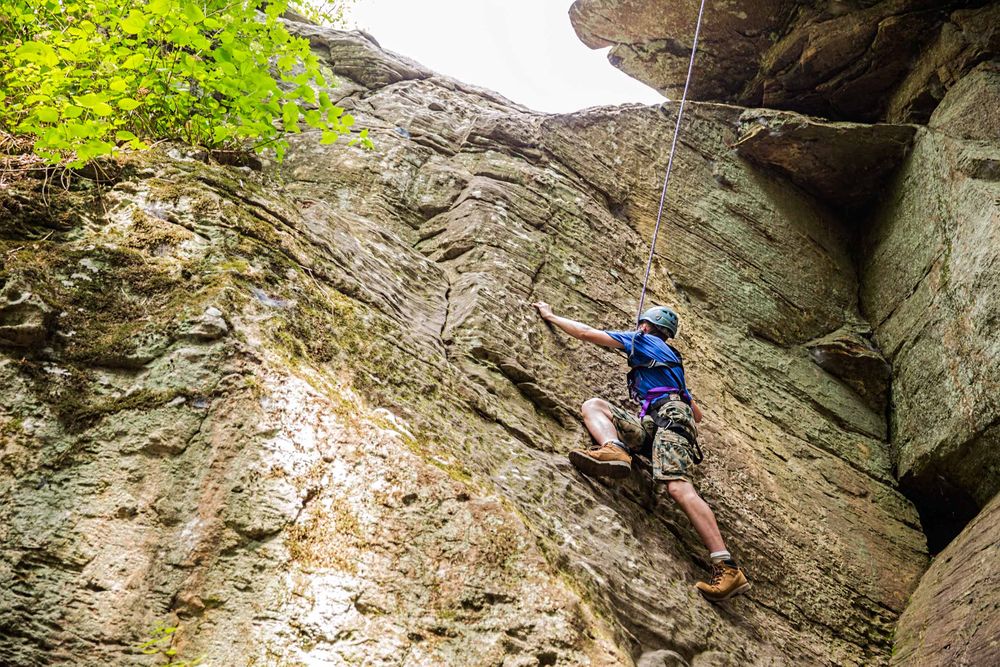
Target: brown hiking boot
x=726, y=582
x=602, y=461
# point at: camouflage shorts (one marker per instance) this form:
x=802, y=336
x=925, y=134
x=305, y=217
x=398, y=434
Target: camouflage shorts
x=670, y=452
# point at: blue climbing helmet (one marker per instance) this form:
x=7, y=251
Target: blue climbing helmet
x=663, y=318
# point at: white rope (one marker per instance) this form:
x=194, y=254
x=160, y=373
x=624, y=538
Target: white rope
x=670, y=162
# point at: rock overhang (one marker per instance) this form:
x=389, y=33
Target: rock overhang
x=845, y=165
x=858, y=61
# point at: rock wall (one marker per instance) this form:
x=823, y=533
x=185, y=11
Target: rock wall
x=951, y=618
x=308, y=415
x=183, y=448
x=926, y=244
x=931, y=289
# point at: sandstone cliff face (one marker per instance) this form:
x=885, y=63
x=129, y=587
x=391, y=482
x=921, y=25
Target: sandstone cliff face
x=931, y=284
x=308, y=416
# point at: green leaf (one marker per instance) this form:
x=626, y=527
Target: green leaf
x=37, y=52
x=47, y=114
x=193, y=13
x=134, y=61
x=74, y=72
x=78, y=130
x=180, y=36
x=159, y=7
x=221, y=133
x=88, y=100
x=134, y=23
x=290, y=116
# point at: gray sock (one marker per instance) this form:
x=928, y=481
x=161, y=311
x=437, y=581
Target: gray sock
x=619, y=444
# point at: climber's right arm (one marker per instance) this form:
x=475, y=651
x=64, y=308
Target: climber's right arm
x=576, y=329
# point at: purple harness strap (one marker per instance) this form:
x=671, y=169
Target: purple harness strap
x=655, y=393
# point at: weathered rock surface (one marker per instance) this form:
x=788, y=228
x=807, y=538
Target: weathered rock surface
x=25, y=320
x=361, y=455
x=226, y=486
x=972, y=112
x=968, y=37
x=846, y=60
x=930, y=285
x=308, y=415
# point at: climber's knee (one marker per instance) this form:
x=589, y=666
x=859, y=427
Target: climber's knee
x=681, y=491
x=593, y=406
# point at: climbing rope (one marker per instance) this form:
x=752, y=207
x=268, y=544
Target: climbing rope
x=670, y=162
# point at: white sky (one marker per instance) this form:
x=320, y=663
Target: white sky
x=525, y=50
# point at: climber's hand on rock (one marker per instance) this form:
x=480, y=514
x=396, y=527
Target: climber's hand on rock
x=544, y=309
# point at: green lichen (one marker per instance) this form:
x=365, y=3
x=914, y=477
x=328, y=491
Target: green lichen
x=11, y=426
x=69, y=395
x=117, y=306
x=107, y=296
x=152, y=236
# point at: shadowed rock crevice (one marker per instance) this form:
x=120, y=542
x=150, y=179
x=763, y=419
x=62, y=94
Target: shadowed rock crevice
x=944, y=508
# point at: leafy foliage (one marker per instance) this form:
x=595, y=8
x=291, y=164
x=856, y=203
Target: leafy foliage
x=84, y=78
x=159, y=643
x=323, y=12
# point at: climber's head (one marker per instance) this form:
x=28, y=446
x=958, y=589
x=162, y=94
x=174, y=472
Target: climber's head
x=659, y=321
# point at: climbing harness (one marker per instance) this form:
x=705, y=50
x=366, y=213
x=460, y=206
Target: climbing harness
x=651, y=395
x=670, y=161
x=672, y=412
x=656, y=394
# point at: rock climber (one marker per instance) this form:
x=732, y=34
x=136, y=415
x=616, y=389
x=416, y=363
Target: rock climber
x=665, y=423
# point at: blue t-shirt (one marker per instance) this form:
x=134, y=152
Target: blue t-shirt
x=644, y=348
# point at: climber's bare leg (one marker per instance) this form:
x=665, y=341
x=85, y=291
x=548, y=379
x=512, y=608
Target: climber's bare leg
x=698, y=512
x=597, y=418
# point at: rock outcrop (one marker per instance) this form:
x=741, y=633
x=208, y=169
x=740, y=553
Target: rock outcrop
x=842, y=164
x=307, y=414
x=930, y=286
x=843, y=59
